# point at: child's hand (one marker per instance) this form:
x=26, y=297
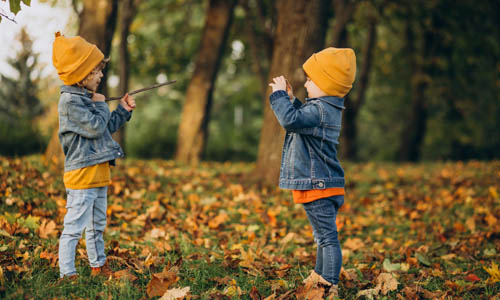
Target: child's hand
x=96, y=97
x=279, y=83
x=127, y=102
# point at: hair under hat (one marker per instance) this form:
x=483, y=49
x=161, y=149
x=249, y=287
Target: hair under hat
x=74, y=58
x=333, y=70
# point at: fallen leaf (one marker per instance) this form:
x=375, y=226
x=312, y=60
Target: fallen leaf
x=494, y=273
x=309, y=292
x=160, y=282
x=353, y=244
x=254, y=294
x=124, y=274
x=47, y=229
x=472, y=277
x=175, y=293
x=217, y=221
x=389, y=267
x=386, y=282
x=422, y=259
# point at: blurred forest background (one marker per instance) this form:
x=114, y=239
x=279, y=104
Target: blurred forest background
x=427, y=86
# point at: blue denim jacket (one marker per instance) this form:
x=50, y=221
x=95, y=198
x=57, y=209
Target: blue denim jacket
x=309, y=159
x=85, y=129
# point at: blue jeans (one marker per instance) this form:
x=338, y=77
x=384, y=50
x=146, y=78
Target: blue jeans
x=322, y=214
x=86, y=209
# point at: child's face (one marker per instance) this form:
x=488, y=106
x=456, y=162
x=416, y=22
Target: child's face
x=92, y=81
x=313, y=91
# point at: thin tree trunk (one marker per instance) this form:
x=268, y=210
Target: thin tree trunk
x=261, y=43
x=344, y=11
x=300, y=31
x=97, y=25
x=195, y=114
x=415, y=126
x=348, y=145
x=128, y=12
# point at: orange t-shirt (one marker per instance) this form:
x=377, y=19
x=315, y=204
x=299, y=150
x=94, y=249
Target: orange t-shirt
x=311, y=195
x=89, y=177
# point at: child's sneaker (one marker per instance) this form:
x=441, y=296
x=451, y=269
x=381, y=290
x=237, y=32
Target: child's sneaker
x=312, y=279
x=104, y=270
x=333, y=293
x=68, y=278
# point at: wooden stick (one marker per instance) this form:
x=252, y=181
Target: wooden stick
x=142, y=90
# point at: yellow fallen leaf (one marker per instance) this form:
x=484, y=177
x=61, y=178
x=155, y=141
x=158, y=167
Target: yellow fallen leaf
x=494, y=273
x=2, y=280
x=493, y=192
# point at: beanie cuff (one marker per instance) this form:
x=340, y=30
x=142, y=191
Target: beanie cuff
x=88, y=64
x=326, y=83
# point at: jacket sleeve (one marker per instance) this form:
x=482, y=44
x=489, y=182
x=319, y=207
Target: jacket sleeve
x=118, y=117
x=88, y=123
x=292, y=116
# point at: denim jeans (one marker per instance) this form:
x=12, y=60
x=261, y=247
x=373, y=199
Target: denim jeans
x=322, y=214
x=86, y=209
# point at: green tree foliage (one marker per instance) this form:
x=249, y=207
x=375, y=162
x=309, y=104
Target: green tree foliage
x=19, y=104
x=460, y=71
x=15, y=7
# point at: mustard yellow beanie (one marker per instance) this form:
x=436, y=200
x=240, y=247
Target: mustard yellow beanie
x=74, y=58
x=333, y=70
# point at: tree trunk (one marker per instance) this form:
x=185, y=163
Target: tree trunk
x=128, y=11
x=415, y=127
x=195, y=114
x=344, y=11
x=97, y=25
x=300, y=31
x=348, y=146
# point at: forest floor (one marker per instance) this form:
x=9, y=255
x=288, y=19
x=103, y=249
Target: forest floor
x=408, y=231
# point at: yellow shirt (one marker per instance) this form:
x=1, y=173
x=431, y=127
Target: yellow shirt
x=89, y=177
x=311, y=195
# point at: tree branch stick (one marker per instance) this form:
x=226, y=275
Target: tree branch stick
x=142, y=90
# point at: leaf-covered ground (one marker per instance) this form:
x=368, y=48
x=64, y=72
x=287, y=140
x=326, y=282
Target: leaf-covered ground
x=424, y=231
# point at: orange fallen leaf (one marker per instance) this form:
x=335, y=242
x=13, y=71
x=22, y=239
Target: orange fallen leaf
x=47, y=229
x=124, y=274
x=472, y=277
x=309, y=292
x=160, y=282
x=254, y=294
x=217, y=221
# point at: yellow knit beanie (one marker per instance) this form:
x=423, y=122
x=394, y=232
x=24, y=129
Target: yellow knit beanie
x=74, y=58
x=333, y=70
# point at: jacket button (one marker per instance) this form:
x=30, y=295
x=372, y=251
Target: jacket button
x=320, y=184
x=119, y=153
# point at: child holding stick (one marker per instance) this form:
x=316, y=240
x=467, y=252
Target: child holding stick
x=85, y=128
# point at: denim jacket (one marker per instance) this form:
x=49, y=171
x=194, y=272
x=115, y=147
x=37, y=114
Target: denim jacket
x=85, y=129
x=309, y=158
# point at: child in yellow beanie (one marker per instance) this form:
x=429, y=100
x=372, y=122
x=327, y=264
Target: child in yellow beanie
x=309, y=164
x=85, y=128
